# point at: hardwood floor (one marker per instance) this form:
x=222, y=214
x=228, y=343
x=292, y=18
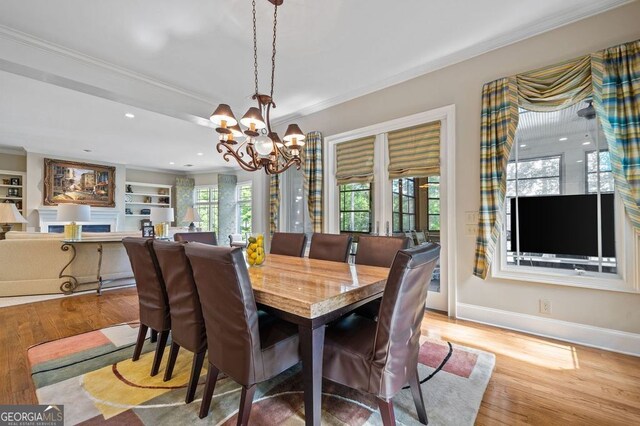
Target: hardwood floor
x=536, y=380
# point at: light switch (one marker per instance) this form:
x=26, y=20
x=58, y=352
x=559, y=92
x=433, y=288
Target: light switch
x=471, y=217
x=471, y=230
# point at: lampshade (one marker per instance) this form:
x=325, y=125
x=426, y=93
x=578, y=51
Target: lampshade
x=223, y=113
x=161, y=214
x=191, y=215
x=293, y=132
x=253, y=116
x=74, y=213
x=274, y=137
x=236, y=131
x=10, y=214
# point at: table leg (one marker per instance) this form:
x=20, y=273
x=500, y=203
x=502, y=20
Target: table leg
x=311, y=348
x=99, y=269
x=71, y=283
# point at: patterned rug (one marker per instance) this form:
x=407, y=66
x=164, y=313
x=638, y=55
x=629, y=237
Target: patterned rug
x=93, y=376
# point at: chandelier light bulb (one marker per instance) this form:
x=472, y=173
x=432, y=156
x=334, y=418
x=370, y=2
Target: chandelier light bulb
x=263, y=145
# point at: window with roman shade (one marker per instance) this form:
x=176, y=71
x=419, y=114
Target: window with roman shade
x=415, y=151
x=354, y=161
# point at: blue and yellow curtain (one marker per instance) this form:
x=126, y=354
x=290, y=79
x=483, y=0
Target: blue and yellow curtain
x=274, y=203
x=313, y=175
x=611, y=76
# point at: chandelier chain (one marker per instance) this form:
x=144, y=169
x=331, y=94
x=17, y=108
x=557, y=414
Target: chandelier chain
x=273, y=55
x=255, y=47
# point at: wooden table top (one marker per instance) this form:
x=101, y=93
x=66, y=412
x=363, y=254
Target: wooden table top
x=310, y=288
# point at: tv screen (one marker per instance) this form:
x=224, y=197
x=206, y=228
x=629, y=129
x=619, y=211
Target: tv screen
x=563, y=224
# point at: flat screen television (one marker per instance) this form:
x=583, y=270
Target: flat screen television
x=563, y=224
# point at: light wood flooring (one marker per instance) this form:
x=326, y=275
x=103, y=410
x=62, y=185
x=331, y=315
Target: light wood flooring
x=536, y=380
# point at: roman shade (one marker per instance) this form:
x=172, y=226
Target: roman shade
x=415, y=151
x=354, y=161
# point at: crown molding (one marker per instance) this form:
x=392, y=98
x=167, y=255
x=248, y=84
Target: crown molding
x=537, y=28
x=13, y=151
x=49, y=47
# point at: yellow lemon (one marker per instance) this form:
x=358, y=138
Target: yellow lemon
x=259, y=260
x=253, y=246
x=253, y=255
x=251, y=261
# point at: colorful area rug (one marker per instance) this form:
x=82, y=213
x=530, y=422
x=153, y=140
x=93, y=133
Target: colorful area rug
x=93, y=376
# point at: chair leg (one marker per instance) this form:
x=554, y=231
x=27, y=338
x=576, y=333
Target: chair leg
x=386, y=412
x=171, y=362
x=418, y=399
x=196, y=369
x=154, y=336
x=209, y=387
x=142, y=334
x=246, y=401
x=157, y=359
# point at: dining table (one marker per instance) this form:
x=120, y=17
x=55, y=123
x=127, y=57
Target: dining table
x=311, y=293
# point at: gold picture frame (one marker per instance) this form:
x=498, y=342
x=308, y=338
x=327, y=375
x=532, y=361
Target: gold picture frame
x=78, y=183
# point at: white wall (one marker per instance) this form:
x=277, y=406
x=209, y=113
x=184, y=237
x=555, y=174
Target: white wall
x=461, y=84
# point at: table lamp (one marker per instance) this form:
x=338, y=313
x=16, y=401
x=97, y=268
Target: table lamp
x=192, y=216
x=9, y=214
x=161, y=217
x=73, y=213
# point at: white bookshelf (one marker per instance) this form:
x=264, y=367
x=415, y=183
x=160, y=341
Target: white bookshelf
x=143, y=196
x=13, y=192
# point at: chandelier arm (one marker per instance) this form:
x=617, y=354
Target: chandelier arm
x=238, y=157
x=273, y=54
x=255, y=47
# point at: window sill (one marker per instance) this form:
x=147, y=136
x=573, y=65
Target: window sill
x=537, y=275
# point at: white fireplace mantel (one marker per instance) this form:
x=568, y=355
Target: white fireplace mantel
x=48, y=216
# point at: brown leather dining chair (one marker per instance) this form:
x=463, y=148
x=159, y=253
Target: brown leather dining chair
x=187, y=323
x=334, y=247
x=247, y=346
x=288, y=244
x=378, y=251
x=379, y=358
x=152, y=296
x=197, y=237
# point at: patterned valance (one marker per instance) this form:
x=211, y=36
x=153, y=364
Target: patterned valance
x=354, y=161
x=415, y=152
x=556, y=87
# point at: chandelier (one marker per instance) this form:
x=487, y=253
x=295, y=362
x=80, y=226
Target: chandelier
x=262, y=147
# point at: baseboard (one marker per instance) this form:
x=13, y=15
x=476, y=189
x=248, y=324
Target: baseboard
x=587, y=335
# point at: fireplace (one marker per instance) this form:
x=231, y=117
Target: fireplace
x=102, y=220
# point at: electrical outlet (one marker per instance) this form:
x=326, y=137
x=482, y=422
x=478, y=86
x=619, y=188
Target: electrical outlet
x=545, y=306
x=471, y=230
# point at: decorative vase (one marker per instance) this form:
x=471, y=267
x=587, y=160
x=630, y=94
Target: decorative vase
x=255, y=250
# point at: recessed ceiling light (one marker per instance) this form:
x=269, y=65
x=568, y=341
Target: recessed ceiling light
x=563, y=139
x=129, y=115
x=523, y=145
x=200, y=154
x=586, y=143
x=188, y=165
x=578, y=161
x=86, y=150
x=172, y=163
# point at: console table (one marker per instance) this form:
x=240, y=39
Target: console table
x=72, y=283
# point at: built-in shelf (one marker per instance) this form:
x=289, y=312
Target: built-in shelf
x=137, y=194
x=16, y=189
x=148, y=204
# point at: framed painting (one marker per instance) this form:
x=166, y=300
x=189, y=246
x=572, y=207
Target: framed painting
x=78, y=183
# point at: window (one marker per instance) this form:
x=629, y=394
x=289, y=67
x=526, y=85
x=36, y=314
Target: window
x=244, y=208
x=355, y=207
x=557, y=213
x=433, y=203
x=534, y=176
x=599, y=169
x=404, y=204
x=206, y=204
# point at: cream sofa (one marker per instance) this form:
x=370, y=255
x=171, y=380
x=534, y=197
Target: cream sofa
x=30, y=262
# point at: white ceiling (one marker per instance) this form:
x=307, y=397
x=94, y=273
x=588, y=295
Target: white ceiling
x=72, y=68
